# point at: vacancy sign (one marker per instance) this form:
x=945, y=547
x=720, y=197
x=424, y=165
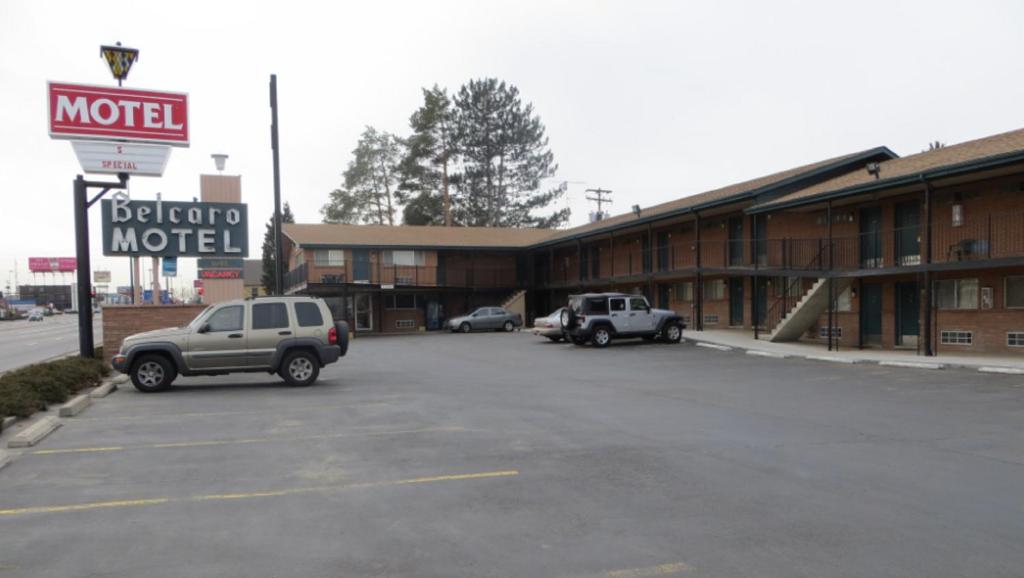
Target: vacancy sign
x=87, y=112
x=115, y=157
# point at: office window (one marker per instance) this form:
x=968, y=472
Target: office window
x=329, y=257
x=1015, y=338
x=400, y=301
x=956, y=337
x=684, y=291
x=404, y=258
x=1014, y=292
x=308, y=315
x=956, y=294
x=714, y=289
x=269, y=316
x=227, y=319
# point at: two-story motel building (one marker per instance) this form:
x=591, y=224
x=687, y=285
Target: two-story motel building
x=873, y=230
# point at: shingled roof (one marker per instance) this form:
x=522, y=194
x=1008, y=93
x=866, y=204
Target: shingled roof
x=899, y=171
x=413, y=236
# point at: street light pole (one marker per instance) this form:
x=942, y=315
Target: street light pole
x=278, y=257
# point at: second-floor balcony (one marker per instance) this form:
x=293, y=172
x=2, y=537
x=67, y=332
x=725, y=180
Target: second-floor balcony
x=985, y=238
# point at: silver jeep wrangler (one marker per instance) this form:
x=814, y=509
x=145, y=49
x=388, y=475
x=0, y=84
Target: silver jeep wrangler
x=291, y=336
x=601, y=317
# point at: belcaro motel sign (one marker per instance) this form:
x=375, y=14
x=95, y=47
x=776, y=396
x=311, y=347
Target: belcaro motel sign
x=173, y=228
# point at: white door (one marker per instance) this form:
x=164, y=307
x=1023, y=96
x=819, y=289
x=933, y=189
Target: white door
x=364, y=312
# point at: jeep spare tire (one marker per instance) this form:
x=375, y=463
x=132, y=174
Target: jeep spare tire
x=568, y=318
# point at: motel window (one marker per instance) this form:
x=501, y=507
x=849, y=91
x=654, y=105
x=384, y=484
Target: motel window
x=400, y=301
x=1014, y=293
x=404, y=258
x=1015, y=338
x=956, y=294
x=684, y=291
x=405, y=323
x=329, y=257
x=956, y=337
x=714, y=289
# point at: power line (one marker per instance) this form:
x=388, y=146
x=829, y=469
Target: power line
x=600, y=199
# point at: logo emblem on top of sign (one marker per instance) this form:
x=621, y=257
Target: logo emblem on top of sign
x=119, y=59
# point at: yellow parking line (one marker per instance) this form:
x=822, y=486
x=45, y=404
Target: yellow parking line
x=350, y=405
x=207, y=443
x=250, y=495
x=662, y=570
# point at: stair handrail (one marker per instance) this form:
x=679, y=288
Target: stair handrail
x=780, y=309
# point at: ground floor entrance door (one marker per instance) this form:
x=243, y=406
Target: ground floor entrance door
x=908, y=314
x=736, y=301
x=364, y=312
x=871, y=314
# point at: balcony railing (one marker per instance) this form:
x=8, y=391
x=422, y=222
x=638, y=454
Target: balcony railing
x=296, y=277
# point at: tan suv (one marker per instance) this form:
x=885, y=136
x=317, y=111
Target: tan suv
x=291, y=336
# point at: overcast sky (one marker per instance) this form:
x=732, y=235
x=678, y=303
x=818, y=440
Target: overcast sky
x=654, y=100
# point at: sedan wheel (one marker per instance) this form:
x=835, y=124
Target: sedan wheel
x=464, y=327
x=509, y=326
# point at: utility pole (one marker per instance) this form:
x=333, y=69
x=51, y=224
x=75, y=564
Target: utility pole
x=278, y=260
x=599, y=198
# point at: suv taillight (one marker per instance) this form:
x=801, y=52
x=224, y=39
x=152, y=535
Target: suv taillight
x=332, y=335
x=583, y=319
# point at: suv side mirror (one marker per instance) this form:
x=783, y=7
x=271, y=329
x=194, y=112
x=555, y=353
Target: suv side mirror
x=204, y=328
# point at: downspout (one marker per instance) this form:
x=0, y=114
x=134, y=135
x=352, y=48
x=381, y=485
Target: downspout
x=928, y=351
x=755, y=303
x=831, y=288
x=699, y=289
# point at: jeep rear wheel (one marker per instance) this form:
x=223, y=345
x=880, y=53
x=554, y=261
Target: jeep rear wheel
x=152, y=373
x=602, y=337
x=673, y=333
x=300, y=368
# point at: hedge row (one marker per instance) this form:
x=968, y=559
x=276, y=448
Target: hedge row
x=29, y=389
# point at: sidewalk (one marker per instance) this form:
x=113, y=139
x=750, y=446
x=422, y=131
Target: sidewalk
x=744, y=340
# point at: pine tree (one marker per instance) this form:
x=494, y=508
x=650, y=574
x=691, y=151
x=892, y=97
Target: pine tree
x=269, y=261
x=426, y=168
x=505, y=157
x=370, y=182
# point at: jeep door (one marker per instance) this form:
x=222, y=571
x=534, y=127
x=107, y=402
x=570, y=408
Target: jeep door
x=641, y=320
x=219, y=341
x=618, y=314
x=269, y=326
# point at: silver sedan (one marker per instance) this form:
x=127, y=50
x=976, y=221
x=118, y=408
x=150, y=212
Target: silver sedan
x=550, y=326
x=486, y=319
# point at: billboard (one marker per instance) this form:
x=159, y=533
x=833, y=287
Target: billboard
x=115, y=157
x=101, y=277
x=52, y=264
x=88, y=112
x=174, y=229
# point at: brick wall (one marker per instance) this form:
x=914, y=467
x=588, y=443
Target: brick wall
x=123, y=320
x=391, y=317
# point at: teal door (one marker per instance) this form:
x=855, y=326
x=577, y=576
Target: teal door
x=871, y=314
x=736, y=301
x=908, y=314
x=908, y=234
x=360, y=265
x=871, y=237
x=736, y=241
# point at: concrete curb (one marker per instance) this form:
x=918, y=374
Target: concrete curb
x=5, y=459
x=7, y=422
x=119, y=379
x=912, y=364
x=1004, y=370
x=35, y=433
x=713, y=346
x=833, y=359
x=103, y=390
x=761, y=353
x=76, y=406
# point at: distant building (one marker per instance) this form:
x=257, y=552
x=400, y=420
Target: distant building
x=60, y=296
x=252, y=276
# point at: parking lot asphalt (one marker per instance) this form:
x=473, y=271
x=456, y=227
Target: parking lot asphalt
x=506, y=455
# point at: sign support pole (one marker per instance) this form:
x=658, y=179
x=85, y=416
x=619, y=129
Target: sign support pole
x=86, y=347
x=278, y=253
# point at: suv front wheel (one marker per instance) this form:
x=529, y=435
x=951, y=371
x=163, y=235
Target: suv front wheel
x=602, y=337
x=152, y=373
x=300, y=368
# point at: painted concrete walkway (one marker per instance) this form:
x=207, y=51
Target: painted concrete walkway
x=744, y=340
